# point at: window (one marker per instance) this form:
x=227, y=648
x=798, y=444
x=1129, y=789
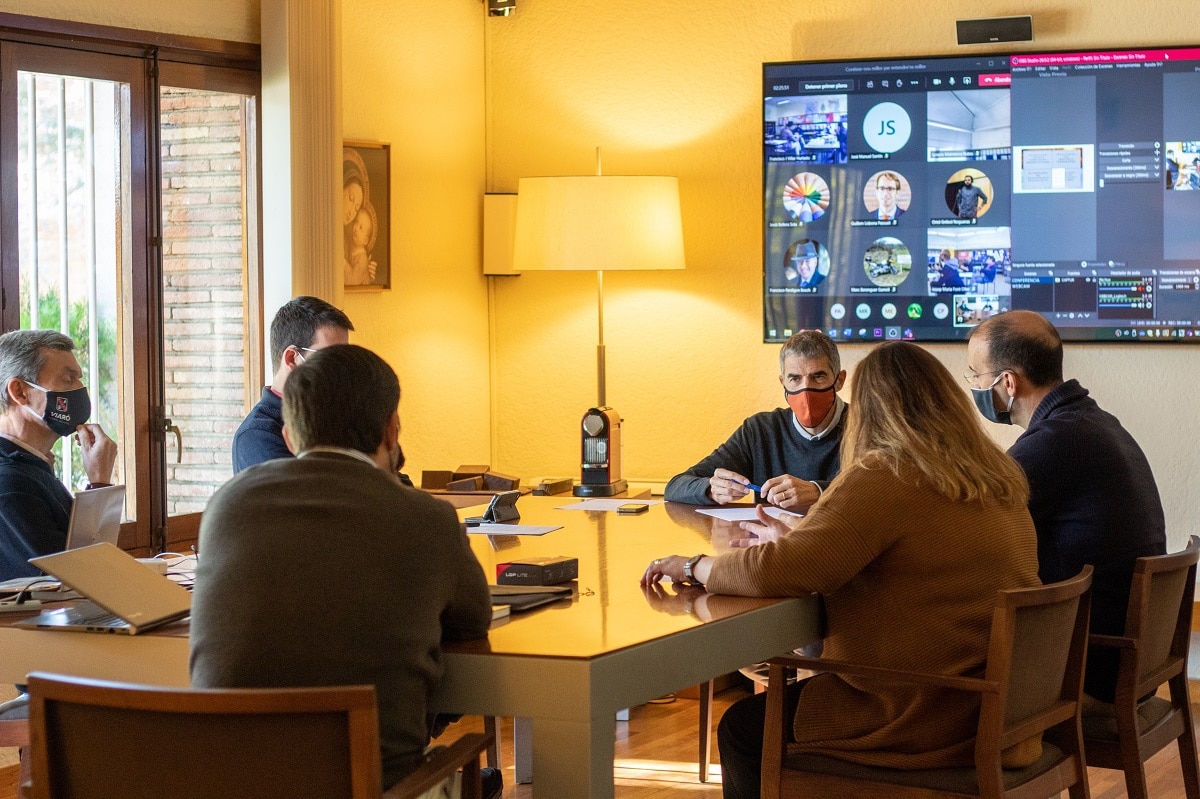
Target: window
x=133, y=228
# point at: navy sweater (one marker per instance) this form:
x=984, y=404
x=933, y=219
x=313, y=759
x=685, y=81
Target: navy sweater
x=259, y=438
x=35, y=510
x=1093, y=500
x=765, y=446
x=260, y=435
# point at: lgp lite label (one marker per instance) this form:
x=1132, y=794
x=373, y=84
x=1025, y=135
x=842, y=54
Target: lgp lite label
x=886, y=127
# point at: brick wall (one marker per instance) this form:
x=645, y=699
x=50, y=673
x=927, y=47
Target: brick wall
x=204, y=279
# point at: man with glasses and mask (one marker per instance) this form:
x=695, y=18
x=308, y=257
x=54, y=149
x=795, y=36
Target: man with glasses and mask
x=43, y=399
x=785, y=456
x=1092, y=494
x=301, y=327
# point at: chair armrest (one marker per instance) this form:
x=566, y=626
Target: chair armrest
x=918, y=678
x=1112, y=641
x=441, y=765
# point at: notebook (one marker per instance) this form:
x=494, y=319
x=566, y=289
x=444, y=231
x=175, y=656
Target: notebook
x=526, y=597
x=125, y=596
x=96, y=516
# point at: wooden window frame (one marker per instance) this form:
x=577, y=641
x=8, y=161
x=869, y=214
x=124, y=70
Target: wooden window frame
x=188, y=62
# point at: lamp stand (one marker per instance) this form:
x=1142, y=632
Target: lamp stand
x=600, y=377
x=601, y=428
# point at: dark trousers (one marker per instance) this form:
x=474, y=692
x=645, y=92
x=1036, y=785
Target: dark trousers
x=740, y=740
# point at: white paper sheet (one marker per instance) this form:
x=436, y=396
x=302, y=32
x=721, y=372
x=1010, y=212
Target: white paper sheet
x=747, y=514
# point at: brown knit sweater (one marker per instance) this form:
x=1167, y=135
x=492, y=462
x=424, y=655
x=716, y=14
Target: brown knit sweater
x=910, y=580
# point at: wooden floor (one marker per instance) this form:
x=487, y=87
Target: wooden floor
x=656, y=758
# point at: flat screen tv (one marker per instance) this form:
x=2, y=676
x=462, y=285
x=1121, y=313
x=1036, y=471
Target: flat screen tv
x=912, y=198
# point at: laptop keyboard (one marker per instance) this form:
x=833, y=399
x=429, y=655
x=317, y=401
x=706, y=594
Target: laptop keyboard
x=92, y=615
x=105, y=620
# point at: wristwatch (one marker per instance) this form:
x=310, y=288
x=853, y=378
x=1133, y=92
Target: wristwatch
x=688, y=575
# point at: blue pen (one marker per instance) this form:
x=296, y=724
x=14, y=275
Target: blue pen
x=753, y=487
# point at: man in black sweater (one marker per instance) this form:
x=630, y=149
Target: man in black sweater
x=1092, y=493
x=791, y=453
x=42, y=398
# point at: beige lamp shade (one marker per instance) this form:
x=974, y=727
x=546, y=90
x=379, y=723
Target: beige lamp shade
x=600, y=222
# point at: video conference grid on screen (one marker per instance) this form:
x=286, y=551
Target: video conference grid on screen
x=913, y=198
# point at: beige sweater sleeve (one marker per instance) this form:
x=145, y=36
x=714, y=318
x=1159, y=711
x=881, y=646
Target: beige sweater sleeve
x=842, y=533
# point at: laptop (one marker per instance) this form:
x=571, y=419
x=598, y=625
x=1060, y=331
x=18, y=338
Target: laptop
x=125, y=596
x=96, y=516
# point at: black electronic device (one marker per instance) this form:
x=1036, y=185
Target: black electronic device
x=502, y=508
x=915, y=197
x=537, y=571
x=994, y=29
x=501, y=8
x=601, y=448
x=633, y=507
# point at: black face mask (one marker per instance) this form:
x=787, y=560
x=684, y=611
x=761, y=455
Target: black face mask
x=65, y=410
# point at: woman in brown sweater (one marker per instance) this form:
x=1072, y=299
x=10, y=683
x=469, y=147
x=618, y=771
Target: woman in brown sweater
x=909, y=546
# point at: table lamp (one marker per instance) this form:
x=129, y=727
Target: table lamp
x=598, y=223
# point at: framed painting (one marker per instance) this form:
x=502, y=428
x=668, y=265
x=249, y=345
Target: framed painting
x=366, y=215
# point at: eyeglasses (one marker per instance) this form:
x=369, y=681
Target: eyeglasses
x=971, y=377
x=888, y=188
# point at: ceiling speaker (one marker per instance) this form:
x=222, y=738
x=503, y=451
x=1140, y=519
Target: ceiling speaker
x=995, y=29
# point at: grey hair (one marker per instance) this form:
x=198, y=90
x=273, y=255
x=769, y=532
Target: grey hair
x=811, y=344
x=23, y=354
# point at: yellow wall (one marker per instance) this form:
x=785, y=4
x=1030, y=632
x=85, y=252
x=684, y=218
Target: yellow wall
x=413, y=76
x=232, y=20
x=672, y=87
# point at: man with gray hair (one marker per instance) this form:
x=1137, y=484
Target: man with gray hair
x=786, y=456
x=42, y=398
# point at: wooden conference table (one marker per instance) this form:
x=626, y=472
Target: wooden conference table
x=569, y=667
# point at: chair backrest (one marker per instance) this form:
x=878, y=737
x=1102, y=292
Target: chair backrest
x=1160, y=612
x=1036, y=657
x=103, y=739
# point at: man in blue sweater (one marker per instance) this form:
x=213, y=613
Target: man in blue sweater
x=42, y=398
x=1092, y=493
x=790, y=453
x=301, y=327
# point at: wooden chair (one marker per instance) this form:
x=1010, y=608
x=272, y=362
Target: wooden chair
x=1153, y=651
x=1032, y=685
x=102, y=739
